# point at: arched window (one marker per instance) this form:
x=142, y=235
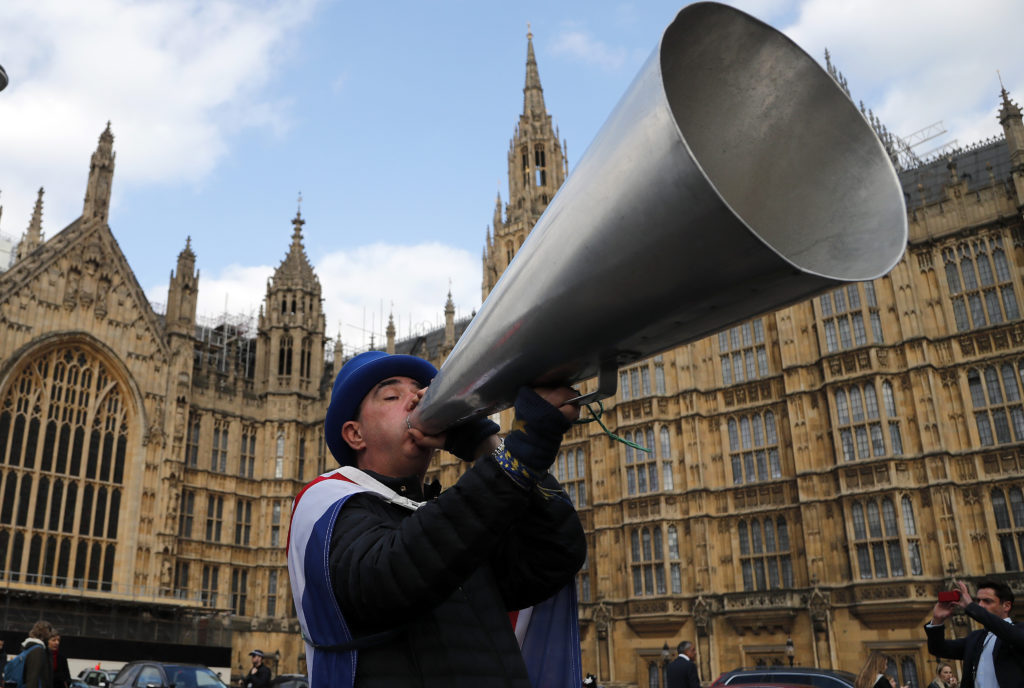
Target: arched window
x=68, y=435
x=884, y=542
x=980, y=295
x=753, y=448
x=1008, y=510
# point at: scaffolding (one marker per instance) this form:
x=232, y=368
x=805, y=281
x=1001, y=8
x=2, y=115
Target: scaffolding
x=225, y=345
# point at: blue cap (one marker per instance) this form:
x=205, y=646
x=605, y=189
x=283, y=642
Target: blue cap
x=355, y=380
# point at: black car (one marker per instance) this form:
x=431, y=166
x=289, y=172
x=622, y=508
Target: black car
x=290, y=681
x=150, y=674
x=785, y=675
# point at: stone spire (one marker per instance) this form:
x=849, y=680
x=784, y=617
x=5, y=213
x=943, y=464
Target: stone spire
x=1013, y=130
x=292, y=327
x=390, y=332
x=449, y=324
x=536, y=169
x=1010, y=118
x=33, y=238
x=183, y=294
x=101, y=174
x=533, y=94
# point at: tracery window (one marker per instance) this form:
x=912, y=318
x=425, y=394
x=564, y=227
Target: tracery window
x=243, y=521
x=980, y=283
x=64, y=432
x=247, y=462
x=185, y=516
x=571, y=472
x=765, y=558
x=754, y=448
x=642, y=466
x=1008, y=509
x=275, y=524
x=208, y=592
x=583, y=580
x=996, y=397
x=272, y=593
x=214, y=518
x=279, y=457
x=192, y=441
x=181, y=580
x=863, y=431
x=878, y=541
x=675, y=566
x=219, y=454
x=540, y=163
x=742, y=352
x=846, y=313
x=239, y=590
x=647, y=561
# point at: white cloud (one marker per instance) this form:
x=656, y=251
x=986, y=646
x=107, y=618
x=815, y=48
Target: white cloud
x=357, y=287
x=918, y=62
x=175, y=78
x=582, y=46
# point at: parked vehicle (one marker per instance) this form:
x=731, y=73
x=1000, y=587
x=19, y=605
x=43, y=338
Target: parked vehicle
x=152, y=674
x=290, y=681
x=785, y=675
x=100, y=678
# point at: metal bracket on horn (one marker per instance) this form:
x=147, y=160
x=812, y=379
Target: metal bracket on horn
x=607, y=384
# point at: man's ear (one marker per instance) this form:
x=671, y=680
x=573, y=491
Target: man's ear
x=352, y=433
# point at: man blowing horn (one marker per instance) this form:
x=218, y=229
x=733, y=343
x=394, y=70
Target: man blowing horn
x=394, y=587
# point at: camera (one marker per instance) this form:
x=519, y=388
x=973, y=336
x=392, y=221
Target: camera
x=949, y=596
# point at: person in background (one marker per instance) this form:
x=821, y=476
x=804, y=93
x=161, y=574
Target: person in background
x=38, y=665
x=3, y=658
x=682, y=672
x=259, y=675
x=944, y=677
x=61, y=673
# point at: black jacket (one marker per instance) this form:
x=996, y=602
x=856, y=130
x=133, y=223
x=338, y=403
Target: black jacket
x=38, y=665
x=61, y=674
x=260, y=679
x=1007, y=653
x=682, y=673
x=442, y=579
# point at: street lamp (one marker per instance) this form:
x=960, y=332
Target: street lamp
x=790, y=650
x=665, y=654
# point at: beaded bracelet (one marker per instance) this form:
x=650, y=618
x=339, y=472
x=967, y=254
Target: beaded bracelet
x=521, y=474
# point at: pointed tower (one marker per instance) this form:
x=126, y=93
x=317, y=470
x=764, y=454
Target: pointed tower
x=101, y=174
x=291, y=329
x=449, y=326
x=536, y=169
x=183, y=294
x=1013, y=129
x=390, y=333
x=33, y=237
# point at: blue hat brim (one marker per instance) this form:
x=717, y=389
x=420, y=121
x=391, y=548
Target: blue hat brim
x=355, y=380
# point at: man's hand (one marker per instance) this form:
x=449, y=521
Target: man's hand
x=965, y=597
x=557, y=396
x=542, y=417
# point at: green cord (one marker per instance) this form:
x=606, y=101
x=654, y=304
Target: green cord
x=597, y=417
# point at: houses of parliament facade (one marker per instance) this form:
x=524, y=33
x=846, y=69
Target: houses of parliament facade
x=810, y=478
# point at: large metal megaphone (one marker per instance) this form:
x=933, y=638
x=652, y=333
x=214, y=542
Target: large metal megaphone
x=733, y=178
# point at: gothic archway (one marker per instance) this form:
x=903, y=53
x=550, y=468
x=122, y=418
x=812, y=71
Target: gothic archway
x=66, y=422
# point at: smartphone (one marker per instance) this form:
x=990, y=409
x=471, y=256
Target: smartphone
x=949, y=596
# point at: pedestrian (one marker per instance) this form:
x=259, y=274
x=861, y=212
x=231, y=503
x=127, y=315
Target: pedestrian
x=682, y=672
x=3, y=659
x=873, y=673
x=61, y=673
x=259, y=675
x=394, y=588
x=993, y=656
x=38, y=665
x=945, y=677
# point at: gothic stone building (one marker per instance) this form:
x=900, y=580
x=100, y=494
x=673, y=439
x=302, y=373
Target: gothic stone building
x=814, y=475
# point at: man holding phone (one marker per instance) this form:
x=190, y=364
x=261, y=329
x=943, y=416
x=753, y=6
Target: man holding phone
x=994, y=655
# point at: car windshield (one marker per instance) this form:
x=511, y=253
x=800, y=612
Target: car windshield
x=191, y=677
